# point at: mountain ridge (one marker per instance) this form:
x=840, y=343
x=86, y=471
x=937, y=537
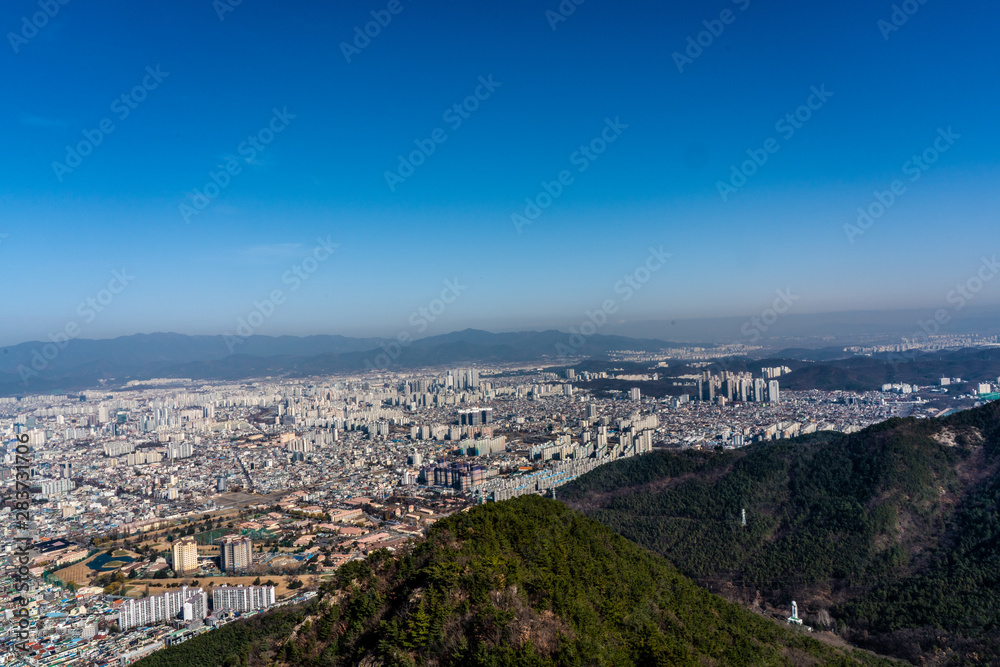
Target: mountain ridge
x=893, y=532
x=524, y=582
x=54, y=367
x=84, y=363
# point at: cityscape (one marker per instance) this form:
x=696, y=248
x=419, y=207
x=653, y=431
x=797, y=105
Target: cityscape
x=171, y=507
x=552, y=333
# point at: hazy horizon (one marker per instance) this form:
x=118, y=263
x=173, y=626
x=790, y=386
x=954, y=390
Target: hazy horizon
x=314, y=282
x=721, y=330
x=610, y=156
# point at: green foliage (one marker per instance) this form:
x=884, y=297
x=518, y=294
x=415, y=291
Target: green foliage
x=527, y=582
x=869, y=519
x=801, y=498
x=958, y=593
x=230, y=643
x=643, y=470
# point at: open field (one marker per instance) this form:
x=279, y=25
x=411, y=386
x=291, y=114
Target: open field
x=209, y=537
x=80, y=573
x=159, y=537
x=84, y=572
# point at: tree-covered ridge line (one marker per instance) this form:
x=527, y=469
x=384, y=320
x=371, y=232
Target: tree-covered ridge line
x=894, y=531
x=523, y=582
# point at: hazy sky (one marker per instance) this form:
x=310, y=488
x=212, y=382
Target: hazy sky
x=331, y=120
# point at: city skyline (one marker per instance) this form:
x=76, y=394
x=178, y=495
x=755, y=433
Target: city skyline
x=412, y=332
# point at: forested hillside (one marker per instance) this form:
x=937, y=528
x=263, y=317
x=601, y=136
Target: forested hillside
x=523, y=582
x=891, y=535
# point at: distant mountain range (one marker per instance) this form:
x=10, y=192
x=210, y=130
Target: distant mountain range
x=867, y=373
x=51, y=367
x=41, y=366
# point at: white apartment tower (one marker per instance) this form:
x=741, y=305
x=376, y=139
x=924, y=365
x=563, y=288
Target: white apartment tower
x=186, y=603
x=242, y=598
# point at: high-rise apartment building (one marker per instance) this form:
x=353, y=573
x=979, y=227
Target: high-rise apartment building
x=475, y=417
x=187, y=603
x=185, y=553
x=235, y=552
x=772, y=392
x=242, y=598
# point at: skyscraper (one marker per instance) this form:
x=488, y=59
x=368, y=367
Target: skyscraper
x=727, y=388
x=772, y=392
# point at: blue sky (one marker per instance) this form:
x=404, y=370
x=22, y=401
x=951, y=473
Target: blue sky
x=324, y=173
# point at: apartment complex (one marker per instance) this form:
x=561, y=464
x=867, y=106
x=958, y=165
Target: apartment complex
x=242, y=598
x=187, y=604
